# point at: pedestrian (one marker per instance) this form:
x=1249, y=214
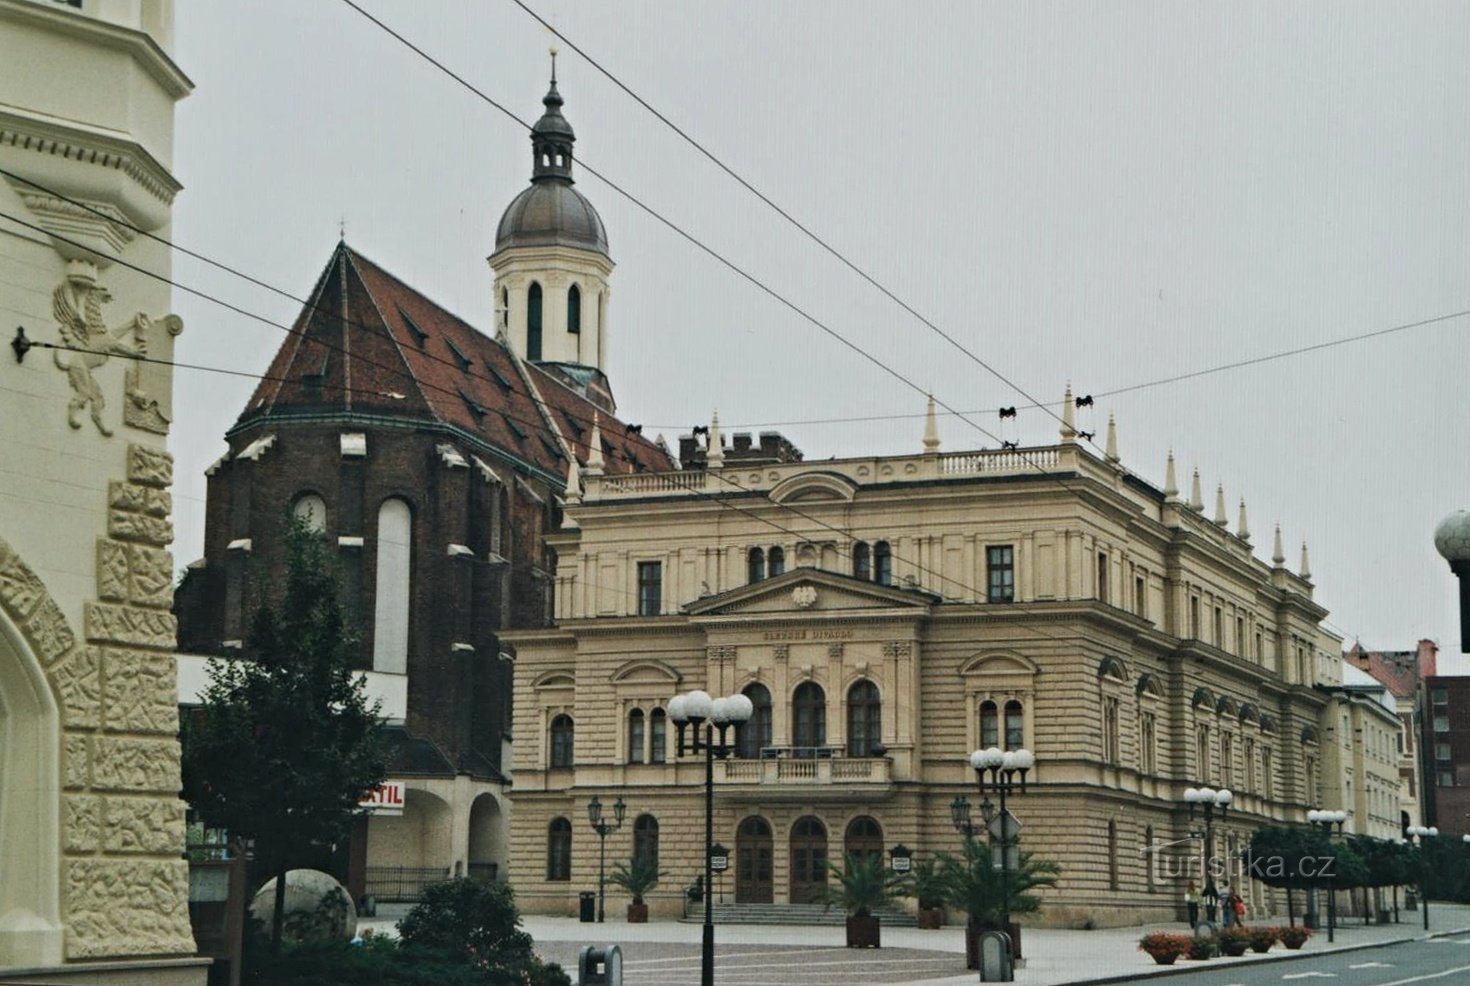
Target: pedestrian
x=1191, y=903
x=1212, y=901
x=1227, y=904
x=1239, y=904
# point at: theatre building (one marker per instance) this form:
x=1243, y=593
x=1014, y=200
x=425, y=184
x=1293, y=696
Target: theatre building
x=886, y=616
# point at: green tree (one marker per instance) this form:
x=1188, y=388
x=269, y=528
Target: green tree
x=862, y=884
x=973, y=884
x=638, y=876
x=287, y=743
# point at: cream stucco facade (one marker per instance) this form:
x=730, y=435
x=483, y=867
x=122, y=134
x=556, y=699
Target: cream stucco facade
x=92, y=883
x=1044, y=597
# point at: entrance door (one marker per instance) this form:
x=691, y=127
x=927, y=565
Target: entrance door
x=808, y=859
x=864, y=838
x=753, y=884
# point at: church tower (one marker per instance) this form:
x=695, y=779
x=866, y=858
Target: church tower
x=551, y=264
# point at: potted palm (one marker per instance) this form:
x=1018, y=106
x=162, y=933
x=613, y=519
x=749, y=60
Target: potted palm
x=925, y=883
x=862, y=884
x=973, y=884
x=637, y=877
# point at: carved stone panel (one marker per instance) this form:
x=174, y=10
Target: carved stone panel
x=150, y=466
x=77, y=679
x=127, y=526
x=134, y=573
x=139, y=499
x=131, y=626
x=83, y=832
x=144, y=825
x=20, y=589
x=122, y=907
x=76, y=761
x=47, y=630
x=127, y=763
x=139, y=693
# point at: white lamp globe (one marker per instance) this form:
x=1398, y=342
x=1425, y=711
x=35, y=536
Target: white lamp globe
x=1224, y=796
x=1207, y=794
x=994, y=757
x=977, y=759
x=698, y=704
x=1314, y=815
x=677, y=709
x=741, y=708
x=1008, y=760
x=1191, y=795
x=1433, y=830
x=1025, y=760
x=719, y=712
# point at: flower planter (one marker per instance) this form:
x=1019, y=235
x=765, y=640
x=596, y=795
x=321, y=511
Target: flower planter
x=637, y=913
x=1233, y=949
x=1165, y=947
x=931, y=918
x=863, y=932
x=1165, y=958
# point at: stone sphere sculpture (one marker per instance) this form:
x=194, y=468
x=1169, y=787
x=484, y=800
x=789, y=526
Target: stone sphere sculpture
x=318, y=908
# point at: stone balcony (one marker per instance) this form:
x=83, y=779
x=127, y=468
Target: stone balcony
x=820, y=773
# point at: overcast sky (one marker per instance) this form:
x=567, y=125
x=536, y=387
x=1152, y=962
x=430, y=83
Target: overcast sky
x=1109, y=194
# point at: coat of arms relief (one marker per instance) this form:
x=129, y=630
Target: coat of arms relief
x=87, y=345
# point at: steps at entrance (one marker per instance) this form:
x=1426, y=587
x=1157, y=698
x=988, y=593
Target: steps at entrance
x=806, y=914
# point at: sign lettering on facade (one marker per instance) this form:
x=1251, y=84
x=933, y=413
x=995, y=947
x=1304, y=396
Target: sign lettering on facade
x=385, y=799
x=821, y=634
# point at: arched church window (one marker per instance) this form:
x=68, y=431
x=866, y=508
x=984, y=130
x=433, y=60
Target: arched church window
x=504, y=308
x=755, y=564
x=862, y=561
x=775, y=561
x=882, y=563
x=391, y=599
x=574, y=309
x=311, y=510
x=533, y=322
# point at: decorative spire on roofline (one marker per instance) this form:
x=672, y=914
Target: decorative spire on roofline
x=552, y=137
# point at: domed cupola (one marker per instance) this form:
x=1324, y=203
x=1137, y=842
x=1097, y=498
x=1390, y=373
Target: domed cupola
x=551, y=261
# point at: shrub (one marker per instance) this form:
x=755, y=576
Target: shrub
x=1203, y=948
x=1293, y=936
x=1263, y=938
x=1165, y=946
x=1234, y=940
x=473, y=919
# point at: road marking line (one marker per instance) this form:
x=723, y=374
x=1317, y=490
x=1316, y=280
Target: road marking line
x=1371, y=965
x=1431, y=975
x=1310, y=975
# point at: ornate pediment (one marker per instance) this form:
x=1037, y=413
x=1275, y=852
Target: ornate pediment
x=809, y=591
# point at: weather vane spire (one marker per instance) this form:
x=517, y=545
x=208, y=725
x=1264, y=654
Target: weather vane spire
x=553, y=49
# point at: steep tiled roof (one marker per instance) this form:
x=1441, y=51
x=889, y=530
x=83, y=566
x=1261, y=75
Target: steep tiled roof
x=370, y=344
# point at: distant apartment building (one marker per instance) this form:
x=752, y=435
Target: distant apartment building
x=1447, y=753
x=1402, y=672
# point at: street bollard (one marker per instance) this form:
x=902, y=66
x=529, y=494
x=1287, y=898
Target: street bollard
x=995, y=958
x=600, y=966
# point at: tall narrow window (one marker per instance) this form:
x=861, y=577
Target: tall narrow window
x=1202, y=754
x=561, y=741
x=775, y=561
x=1015, y=726
x=755, y=564
x=1250, y=765
x=754, y=734
x=650, y=588
x=1240, y=635
x=1219, y=628
x=989, y=725
x=1112, y=855
x=882, y=564
x=1110, y=730
x=1268, y=787
x=1000, y=566
x=862, y=561
x=809, y=718
x=504, y=312
x=1194, y=617
x=390, y=601
x=1102, y=576
x=533, y=323
x=1147, y=742
x=1227, y=759
x=864, y=720
x=1150, y=859
x=574, y=309
x=658, y=736
x=636, y=730
x=559, y=850
x=645, y=840
x=1140, y=596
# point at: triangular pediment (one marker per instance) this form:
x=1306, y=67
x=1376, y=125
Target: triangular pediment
x=809, y=590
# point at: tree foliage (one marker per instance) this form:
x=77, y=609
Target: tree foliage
x=862, y=884
x=286, y=742
x=637, y=876
x=973, y=884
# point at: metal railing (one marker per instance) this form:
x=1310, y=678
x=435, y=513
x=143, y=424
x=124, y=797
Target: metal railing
x=402, y=884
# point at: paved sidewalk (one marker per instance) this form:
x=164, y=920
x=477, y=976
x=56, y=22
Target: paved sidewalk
x=667, y=952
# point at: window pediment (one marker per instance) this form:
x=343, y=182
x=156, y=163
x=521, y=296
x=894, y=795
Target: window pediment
x=645, y=671
x=554, y=679
x=813, y=486
x=1001, y=663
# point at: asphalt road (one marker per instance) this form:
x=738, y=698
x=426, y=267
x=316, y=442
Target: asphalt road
x=1437, y=962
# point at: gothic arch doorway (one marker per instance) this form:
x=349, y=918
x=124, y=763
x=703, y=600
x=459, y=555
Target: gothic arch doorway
x=808, y=859
x=753, y=883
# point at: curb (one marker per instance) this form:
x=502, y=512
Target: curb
x=1286, y=956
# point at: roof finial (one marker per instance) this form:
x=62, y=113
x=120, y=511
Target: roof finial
x=1196, y=499
x=1306, y=572
x=594, y=446
x=1278, y=553
x=1069, y=417
x=1171, y=484
x=931, y=430
x=714, y=455
x=1243, y=530
x=1220, y=518
x=553, y=50
x=1112, y=452
x=574, y=482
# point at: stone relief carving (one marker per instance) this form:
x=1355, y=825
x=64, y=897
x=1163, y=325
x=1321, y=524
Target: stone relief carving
x=83, y=822
x=77, y=679
x=109, y=624
x=127, y=763
x=781, y=651
x=76, y=761
x=48, y=632
x=150, y=466
x=836, y=650
x=134, y=573
x=139, y=693
x=897, y=648
x=127, y=907
x=138, y=527
x=76, y=304
x=145, y=825
x=724, y=653
x=804, y=596
x=20, y=590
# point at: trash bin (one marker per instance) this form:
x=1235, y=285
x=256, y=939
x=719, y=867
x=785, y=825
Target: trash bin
x=587, y=909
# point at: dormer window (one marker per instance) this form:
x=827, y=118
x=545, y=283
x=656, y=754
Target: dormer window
x=459, y=356
x=476, y=409
x=419, y=335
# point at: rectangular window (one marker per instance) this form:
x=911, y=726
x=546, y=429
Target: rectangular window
x=1194, y=617
x=1240, y=635
x=1147, y=759
x=1219, y=628
x=1110, y=730
x=1441, y=696
x=650, y=588
x=1260, y=651
x=1140, y=597
x=1441, y=724
x=1001, y=565
x=1446, y=778
x=1441, y=751
x=1102, y=576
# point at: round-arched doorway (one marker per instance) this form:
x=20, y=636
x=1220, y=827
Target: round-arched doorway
x=808, y=859
x=753, y=883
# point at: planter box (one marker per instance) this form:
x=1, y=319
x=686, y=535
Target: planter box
x=931, y=918
x=863, y=932
x=637, y=913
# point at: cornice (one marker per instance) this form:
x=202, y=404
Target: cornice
x=29, y=131
x=138, y=44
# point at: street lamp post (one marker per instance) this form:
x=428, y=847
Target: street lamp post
x=602, y=826
x=1417, y=834
x=999, y=772
x=1330, y=823
x=696, y=709
x=1208, y=802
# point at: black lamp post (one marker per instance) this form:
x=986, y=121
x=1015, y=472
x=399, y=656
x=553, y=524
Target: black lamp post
x=1208, y=802
x=1331, y=823
x=1452, y=538
x=602, y=827
x=1002, y=772
x=697, y=709
x=1417, y=834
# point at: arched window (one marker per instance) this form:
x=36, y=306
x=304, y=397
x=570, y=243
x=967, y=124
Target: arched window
x=1112, y=855
x=504, y=308
x=533, y=322
x=561, y=741
x=636, y=723
x=809, y=718
x=989, y=725
x=559, y=850
x=1015, y=726
x=574, y=309
x=862, y=561
x=882, y=564
x=864, y=720
x=776, y=561
x=311, y=510
x=390, y=602
x=864, y=838
x=755, y=564
x=755, y=733
x=645, y=840
x=658, y=731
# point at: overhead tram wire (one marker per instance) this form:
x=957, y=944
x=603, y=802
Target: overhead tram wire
x=783, y=213
x=690, y=237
